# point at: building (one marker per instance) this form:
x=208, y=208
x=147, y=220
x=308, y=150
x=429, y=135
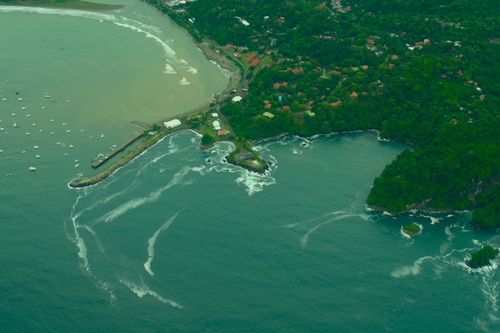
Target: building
x=222, y=132
x=172, y=123
x=216, y=125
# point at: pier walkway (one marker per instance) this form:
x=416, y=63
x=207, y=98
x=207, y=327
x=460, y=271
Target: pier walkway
x=101, y=158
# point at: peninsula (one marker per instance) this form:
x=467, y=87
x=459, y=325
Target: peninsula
x=425, y=72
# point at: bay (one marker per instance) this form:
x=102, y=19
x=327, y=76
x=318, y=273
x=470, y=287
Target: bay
x=180, y=241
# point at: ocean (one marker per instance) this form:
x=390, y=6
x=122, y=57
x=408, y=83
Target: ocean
x=179, y=240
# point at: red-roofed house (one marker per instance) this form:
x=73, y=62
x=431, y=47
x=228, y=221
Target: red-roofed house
x=460, y=73
x=354, y=94
x=365, y=67
x=268, y=106
x=251, y=56
x=286, y=107
x=222, y=132
x=335, y=103
x=254, y=63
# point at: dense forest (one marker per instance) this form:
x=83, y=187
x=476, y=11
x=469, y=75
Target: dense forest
x=423, y=71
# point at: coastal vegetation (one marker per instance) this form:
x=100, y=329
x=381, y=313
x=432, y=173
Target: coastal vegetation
x=425, y=72
x=411, y=229
x=421, y=71
x=482, y=257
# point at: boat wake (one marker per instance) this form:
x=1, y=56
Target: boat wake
x=152, y=242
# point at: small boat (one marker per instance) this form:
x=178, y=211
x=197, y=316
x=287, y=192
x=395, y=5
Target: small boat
x=13, y=114
x=32, y=168
x=16, y=125
x=46, y=95
x=36, y=147
x=28, y=115
x=4, y=99
x=23, y=108
x=20, y=99
x=68, y=131
x=71, y=146
x=76, y=165
x=37, y=156
x=33, y=124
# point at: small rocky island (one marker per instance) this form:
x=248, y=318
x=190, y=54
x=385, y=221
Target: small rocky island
x=482, y=257
x=411, y=229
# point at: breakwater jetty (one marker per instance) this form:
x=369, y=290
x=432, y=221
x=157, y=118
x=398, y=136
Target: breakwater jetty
x=102, y=158
x=147, y=143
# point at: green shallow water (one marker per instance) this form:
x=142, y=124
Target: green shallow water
x=178, y=240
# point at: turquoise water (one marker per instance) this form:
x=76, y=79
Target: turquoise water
x=178, y=240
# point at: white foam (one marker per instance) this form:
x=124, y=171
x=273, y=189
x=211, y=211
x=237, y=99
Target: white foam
x=192, y=70
x=184, y=82
x=305, y=238
x=61, y=12
x=152, y=242
x=168, y=51
x=144, y=290
x=153, y=196
x=415, y=269
x=169, y=69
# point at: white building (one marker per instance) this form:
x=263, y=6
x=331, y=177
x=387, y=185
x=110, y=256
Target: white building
x=236, y=99
x=172, y=123
x=216, y=125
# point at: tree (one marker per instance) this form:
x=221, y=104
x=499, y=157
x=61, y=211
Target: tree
x=206, y=139
x=482, y=257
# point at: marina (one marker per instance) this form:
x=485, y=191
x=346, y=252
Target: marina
x=102, y=158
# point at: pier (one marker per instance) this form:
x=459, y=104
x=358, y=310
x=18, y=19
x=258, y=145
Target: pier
x=140, y=124
x=102, y=158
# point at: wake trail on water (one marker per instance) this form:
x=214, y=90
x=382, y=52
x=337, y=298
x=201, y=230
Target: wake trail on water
x=142, y=290
x=305, y=238
x=83, y=254
x=153, y=196
x=152, y=242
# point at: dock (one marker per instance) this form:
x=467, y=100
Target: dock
x=102, y=158
x=140, y=124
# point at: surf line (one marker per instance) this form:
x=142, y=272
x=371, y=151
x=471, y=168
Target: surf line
x=152, y=241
